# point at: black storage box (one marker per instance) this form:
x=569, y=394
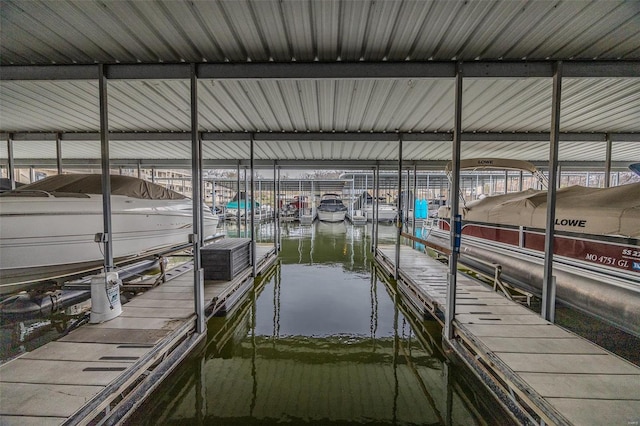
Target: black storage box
x=224, y=259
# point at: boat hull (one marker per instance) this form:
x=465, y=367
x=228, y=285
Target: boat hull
x=49, y=237
x=326, y=216
x=385, y=214
x=597, y=286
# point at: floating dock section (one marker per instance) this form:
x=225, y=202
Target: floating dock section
x=103, y=371
x=553, y=375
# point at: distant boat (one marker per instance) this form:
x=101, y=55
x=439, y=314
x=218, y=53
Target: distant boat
x=386, y=212
x=240, y=201
x=331, y=208
x=48, y=228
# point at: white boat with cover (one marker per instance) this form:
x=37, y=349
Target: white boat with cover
x=48, y=228
x=596, y=243
x=331, y=208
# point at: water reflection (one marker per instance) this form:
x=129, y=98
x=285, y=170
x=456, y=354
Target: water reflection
x=323, y=340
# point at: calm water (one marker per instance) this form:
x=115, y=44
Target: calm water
x=322, y=340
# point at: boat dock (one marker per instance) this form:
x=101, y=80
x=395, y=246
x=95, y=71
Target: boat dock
x=106, y=368
x=553, y=375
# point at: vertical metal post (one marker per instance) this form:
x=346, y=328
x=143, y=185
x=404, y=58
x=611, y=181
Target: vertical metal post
x=607, y=164
x=506, y=181
x=12, y=165
x=559, y=178
x=246, y=201
x=279, y=230
x=415, y=188
x=351, y=199
x=520, y=181
x=407, y=203
x=59, y=153
x=238, y=199
x=400, y=212
x=139, y=170
x=275, y=208
x=153, y=175
x=213, y=196
x=196, y=179
x=547, y=300
x=253, y=209
x=376, y=211
x=106, y=170
x=454, y=198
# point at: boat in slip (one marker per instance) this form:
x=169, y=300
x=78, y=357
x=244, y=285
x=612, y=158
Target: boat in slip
x=386, y=212
x=596, y=245
x=331, y=208
x=48, y=228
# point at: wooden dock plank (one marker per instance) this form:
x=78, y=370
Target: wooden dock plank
x=62, y=372
x=515, y=330
x=571, y=345
x=186, y=295
x=105, y=335
x=168, y=313
x=86, y=352
x=159, y=303
x=590, y=412
x=31, y=421
x=569, y=363
x=585, y=386
x=42, y=400
x=125, y=323
x=499, y=319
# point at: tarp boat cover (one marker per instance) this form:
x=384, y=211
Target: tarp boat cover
x=598, y=211
x=61, y=185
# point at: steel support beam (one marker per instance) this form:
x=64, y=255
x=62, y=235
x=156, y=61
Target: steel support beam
x=548, y=303
x=607, y=163
x=386, y=165
x=253, y=213
x=399, y=218
x=332, y=136
x=196, y=180
x=59, y=153
x=106, y=171
x=275, y=208
x=322, y=70
x=11, y=168
x=454, y=197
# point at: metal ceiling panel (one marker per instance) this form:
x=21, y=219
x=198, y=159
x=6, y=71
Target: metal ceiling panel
x=53, y=105
x=80, y=149
x=591, y=104
x=154, y=105
x=81, y=31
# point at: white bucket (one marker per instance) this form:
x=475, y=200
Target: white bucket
x=105, y=297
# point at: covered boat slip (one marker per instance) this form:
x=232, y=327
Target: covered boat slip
x=108, y=367
x=558, y=377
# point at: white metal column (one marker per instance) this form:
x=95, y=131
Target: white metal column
x=106, y=171
x=454, y=197
x=400, y=212
x=548, y=296
x=196, y=179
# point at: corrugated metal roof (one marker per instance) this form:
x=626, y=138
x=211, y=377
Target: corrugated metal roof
x=82, y=31
x=405, y=105
x=87, y=32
